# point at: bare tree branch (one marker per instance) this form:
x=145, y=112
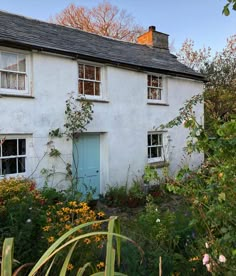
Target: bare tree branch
x=104, y=19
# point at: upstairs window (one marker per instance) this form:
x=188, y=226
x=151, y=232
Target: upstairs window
x=155, y=147
x=13, y=73
x=89, y=80
x=156, y=89
x=12, y=156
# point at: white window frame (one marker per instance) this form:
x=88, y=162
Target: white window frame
x=161, y=158
x=163, y=88
x=101, y=81
x=26, y=91
x=17, y=138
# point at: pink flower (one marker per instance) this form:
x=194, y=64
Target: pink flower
x=222, y=259
x=206, y=259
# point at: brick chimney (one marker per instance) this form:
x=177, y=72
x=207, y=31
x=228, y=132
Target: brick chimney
x=154, y=39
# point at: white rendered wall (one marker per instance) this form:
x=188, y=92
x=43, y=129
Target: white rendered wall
x=123, y=121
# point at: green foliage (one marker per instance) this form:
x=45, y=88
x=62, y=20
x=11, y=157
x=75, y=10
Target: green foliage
x=210, y=192
x=21, y=216
x=54, y=153
x=121, y=196
x=231, y=3
x=64, y=248
x=161, y=233
x=150, y=175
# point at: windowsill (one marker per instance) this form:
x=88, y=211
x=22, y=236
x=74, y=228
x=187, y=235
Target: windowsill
x=157, y=103
x=160, y=164
x=93, y=100
x=2, y=95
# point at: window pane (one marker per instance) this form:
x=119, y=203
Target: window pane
x=97, y=88
x=8, y=80
x=149, y=152
x=89, y=72
x=21, y=63
x=9, y=166
x=81, y=90
x=98, y=73
x=21, y=164
x=153, y=152
x=88, y=88
x=159, y=151
x=149, y=80
x=9, y=61
x=160, y=82
x=155, y=139
x=153, y=93
x=21, y=82
x=149, y=140
x=154, y=81
x=159, y=94
x=160, y=139
x=81, y=71
x=9, y=148
x=22, y=147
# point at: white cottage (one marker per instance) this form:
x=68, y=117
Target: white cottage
x=133, y=87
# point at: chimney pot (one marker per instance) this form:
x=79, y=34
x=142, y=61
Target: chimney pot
x=152, y=28
x=154, y=38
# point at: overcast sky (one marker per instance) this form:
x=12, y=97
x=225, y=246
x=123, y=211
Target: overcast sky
x=200, y=20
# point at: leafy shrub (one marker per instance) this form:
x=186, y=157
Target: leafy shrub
x=21, y=216
x=121, y=196
x=164, y=234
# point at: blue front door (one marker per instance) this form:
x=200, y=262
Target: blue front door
x=86, y=163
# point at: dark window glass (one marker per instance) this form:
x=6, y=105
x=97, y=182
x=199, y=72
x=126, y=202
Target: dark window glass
x=9, y=148
x=9, y=166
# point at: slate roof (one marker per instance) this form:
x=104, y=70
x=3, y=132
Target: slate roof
x=19, y=31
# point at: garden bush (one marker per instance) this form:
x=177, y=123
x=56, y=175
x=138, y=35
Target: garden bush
x=22, y=217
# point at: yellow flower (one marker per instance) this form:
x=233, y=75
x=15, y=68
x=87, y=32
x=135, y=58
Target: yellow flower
x=194, y=259
x=101, y=214
x=70, y=267
x=51, y=239
x=73, y=203
x=67, y=226
x=220, y=175
x=59, y=213
x=100, y=265
x=46, y=228
x=97, y=238
x=49, y=220
x=87, y=241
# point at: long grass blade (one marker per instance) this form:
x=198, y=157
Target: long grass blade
x=82, y=269
x=110, y=252
x=67, y=260
x=7, y=257
x=118, y=241
x=50, y=267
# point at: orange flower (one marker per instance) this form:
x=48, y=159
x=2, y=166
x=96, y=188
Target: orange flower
x=51, y=239
x=100, y=265
x=70, y=267
x=87, y=241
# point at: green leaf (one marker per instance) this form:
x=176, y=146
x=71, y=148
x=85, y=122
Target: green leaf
x=82, y=269
x=221, y=197
x=226, y=10
x=67, y=260
x=7, y=257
